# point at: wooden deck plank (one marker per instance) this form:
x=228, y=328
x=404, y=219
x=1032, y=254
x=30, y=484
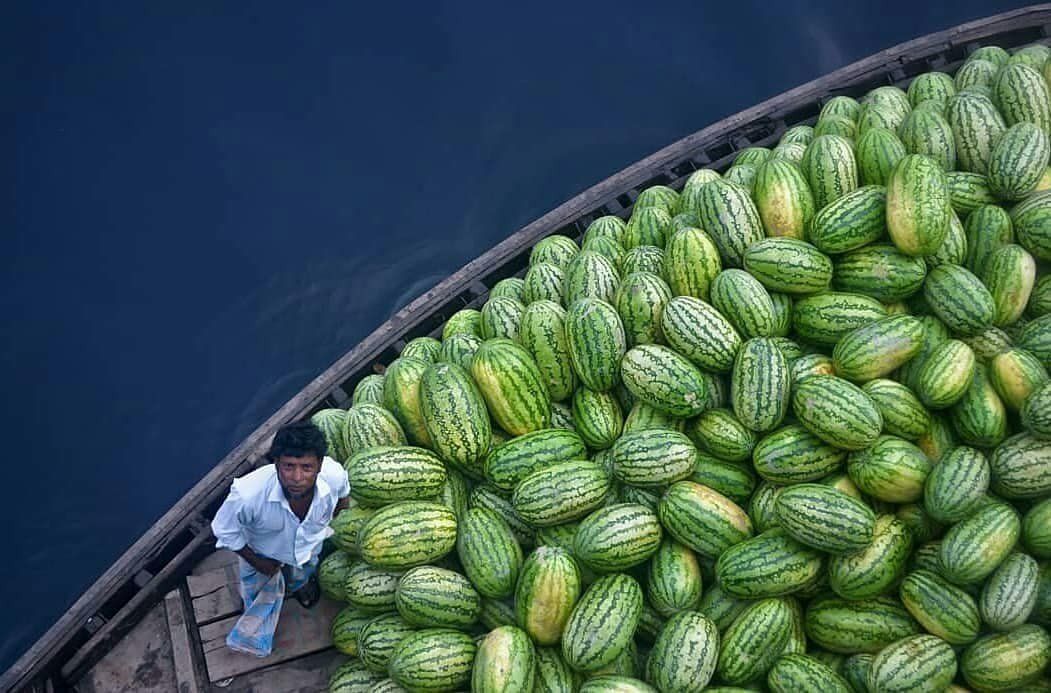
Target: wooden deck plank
x=179, y=625
x=140, y=662
x=299, y=632
x=214, y=561
x=216, y=594
x=308, y=674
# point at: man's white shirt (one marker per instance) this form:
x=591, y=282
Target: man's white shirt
x=257, y=513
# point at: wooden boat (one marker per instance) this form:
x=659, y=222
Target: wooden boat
x=156, y=618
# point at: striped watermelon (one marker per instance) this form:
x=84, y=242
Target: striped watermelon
x=589, y=275
x=1036, y=412
x=1022, y=97
x=691, y=262
x=369, y=390
x=1007, y=661
x=556, y=250
x=644, y=258
x=1018, y=160
x=702, y=519
x=685, y=654
x=460, y=349
x=788, y=265
x=959, y=299
x=601, y=624
x=512, y=461
x=880, y=271
x=903, y=413
x=674, y=579
x=878, y=152
x=617, y=537
x=383, y=475
x=872, y=571
x=855, y=626
x=560, y=493
x=698, y=331
x=664, y=380
x=351, y=677
x=546, y=593
x=401, y=397
x=406, y=534
x=956, y=486
x=597, y=417
x=510, y=287
x=1010, y=593
x=543, y=282
x=512, y=386
x=640, y=302
x=720, y=433
x=799, y=672
x=783, y=199
x=768, y=565
x=553, y=675
x=975, y=546
x=931, y=86
x=608, y=226
x=433, y=659
x=489, y=553
x=877, y=349
x=378, y=640
x=760, y=385
x=919, y=663
x=505, y=662
x=792, y=454
x=891, y=469
x=825, y=518
x=977, y=126
x=830, y=168
x=501, y=317
x=1020, y=467
x=745, y=303
x=729, y=216
x=754, y=641
x=1032, y=224
x=455, y=416
x=917, y=205
x=940, y=607
x=837, y=412
x=647, y=226
x=368, y=425
x=345, y=629
x=432, y=596
x=423, y=348
x=927, y=132
x=543, y=334
x=652, y=458
x=597, y=342
x=1015, y=374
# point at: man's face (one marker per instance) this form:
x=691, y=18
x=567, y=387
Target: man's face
x=298, y=475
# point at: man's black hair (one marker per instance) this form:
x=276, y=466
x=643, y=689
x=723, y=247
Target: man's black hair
x=298, y=440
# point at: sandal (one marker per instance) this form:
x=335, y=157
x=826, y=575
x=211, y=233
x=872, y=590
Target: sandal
x=309, y=594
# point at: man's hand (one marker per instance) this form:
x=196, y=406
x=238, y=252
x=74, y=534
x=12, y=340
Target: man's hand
x=266, y=566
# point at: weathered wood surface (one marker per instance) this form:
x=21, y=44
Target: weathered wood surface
x=141, y=662
x=185, y=656
x=308, y=674
x=187, y=513
x=215, y=594
x=299, y=632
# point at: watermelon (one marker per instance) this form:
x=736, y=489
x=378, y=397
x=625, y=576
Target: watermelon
x=760, y=385
x=918, y=663
x=825, y=518
x=406, y=534
x=617, y=537
x=504, y=662
x=702, y=518
x=664, y=380
x=872, y=571
x=731, y=219
x=783, y=199
x=383, y=475
x=975, y=546
x=917, y=205
x=1007, y=661
x=602, y=622
x=691, y=262
x=455, y=416
x=754, y=641
x=489, y=553
x=1018, y=161
x=512, y=386
x=855, y=626
x=940, y=607
x=433, y=659
x=685, y=654
x=561, y=493
x=768, y=565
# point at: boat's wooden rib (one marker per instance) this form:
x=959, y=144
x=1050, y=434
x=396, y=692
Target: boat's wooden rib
x=163, y=555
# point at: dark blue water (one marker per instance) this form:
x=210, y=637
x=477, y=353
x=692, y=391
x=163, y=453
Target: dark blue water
x=206, y=204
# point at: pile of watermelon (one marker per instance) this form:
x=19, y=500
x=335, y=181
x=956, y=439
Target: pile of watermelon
x=787, y=428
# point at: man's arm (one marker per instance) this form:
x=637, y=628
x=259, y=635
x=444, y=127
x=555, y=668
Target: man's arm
x=227, y=528
x=266, y=566
x=342, y=505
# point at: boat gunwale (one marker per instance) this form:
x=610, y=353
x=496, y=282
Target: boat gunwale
x=189, y=514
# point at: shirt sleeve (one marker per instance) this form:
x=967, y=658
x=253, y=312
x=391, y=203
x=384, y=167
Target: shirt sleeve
x=342, y=485
x=227, y=525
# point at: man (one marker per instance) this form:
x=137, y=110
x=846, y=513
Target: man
x=276, y=519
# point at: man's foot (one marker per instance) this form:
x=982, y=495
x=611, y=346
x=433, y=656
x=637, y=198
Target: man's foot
x=309, y=594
